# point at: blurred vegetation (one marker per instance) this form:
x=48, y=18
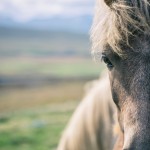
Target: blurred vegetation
x=58, y=67
x=42, y=78
x=34, y=117
x=37, y=128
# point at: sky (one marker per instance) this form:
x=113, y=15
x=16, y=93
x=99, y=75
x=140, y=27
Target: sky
x=26, y=10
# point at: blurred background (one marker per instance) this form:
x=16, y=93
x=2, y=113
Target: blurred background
x=45, y=62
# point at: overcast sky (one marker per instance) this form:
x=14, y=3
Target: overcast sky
x=26, y=10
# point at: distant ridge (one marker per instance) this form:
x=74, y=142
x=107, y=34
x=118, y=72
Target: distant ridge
x=16, y=41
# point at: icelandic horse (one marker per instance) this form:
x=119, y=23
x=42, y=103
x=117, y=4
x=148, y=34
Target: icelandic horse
x=121, y=37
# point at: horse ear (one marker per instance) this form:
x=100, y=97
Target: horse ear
x=109, y=2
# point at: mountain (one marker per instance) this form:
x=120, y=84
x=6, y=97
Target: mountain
x=80, y=24
x=20, y=41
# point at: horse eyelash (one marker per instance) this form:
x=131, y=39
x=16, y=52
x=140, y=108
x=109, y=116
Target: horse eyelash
x=97, y=56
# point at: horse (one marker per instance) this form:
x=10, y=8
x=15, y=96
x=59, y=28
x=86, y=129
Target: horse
x=90, y=127
x=121, y=39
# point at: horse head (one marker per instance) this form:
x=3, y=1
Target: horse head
x=121, y=32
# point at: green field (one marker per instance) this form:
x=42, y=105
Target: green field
x=34, y=129
x=42, y=79
x=59, y=67
x=34, y=118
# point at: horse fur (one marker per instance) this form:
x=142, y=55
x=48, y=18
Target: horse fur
x=91, y=126
x=111, y=23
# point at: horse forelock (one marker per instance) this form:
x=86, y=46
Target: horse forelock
x=116, y=23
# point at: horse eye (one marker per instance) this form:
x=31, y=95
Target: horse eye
x=106, y=60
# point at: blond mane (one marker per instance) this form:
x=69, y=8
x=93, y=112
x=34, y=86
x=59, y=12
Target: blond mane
x=91, y=126
x=112, y=24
